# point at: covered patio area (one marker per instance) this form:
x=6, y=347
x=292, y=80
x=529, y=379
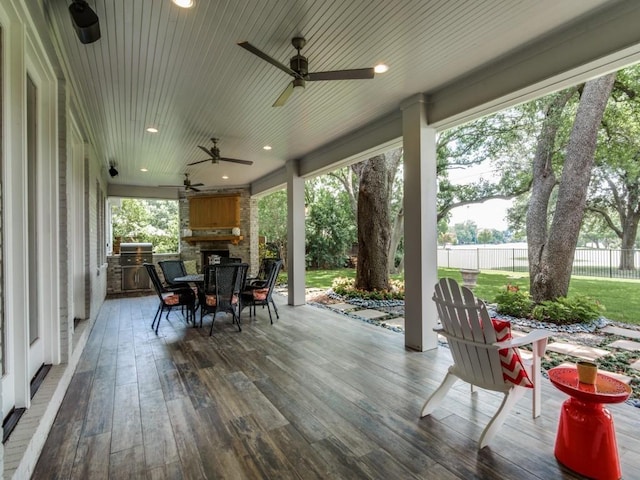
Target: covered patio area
x=316, y=395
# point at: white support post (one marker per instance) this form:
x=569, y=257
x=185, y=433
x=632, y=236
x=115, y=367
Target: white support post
x=295, y=235
x=420, y=220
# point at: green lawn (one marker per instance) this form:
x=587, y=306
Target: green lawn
x=621, y=298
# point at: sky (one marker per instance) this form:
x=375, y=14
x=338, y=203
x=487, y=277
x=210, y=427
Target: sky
x=490, y=214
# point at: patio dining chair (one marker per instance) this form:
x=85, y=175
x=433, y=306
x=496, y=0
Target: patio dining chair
x=221, y=291
x=261, y=293
x=172, y=269
x=484, y=354
x=263, y=272
x=170, y=298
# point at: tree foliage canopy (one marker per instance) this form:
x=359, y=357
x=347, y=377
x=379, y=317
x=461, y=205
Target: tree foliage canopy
x=272, y=212
x=330, y=226
x=154, y=221
x=614, y=194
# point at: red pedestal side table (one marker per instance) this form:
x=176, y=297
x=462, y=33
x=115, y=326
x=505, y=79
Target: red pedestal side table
x=586, y=439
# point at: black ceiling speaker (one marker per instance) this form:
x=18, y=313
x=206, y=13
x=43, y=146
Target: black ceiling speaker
x=85, y=21
x=112, y=171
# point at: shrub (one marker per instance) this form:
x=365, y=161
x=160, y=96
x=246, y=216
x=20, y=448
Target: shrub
x=341, y=285
x=514, y=302
x=346, y=288
x=566, y=310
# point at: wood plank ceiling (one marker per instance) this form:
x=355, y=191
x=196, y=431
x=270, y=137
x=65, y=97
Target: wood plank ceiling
x=181, y=71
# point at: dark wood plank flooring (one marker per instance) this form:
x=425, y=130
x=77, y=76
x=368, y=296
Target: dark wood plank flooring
x=314, y=396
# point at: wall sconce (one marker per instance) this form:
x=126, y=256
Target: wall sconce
x=85, y=21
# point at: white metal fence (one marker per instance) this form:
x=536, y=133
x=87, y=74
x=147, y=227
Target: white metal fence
x=586, y=262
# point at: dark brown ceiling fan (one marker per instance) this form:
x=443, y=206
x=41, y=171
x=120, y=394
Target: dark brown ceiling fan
x=214, y=154
x=188, y=186
x=299, y=70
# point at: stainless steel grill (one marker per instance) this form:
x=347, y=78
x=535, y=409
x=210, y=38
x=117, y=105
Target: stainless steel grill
x=132, y=256
x=136, y=253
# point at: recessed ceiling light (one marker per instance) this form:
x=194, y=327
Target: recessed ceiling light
x=380, y=68
x=225, y=177
x=267, y=147
x=183, y=3
x=152, y=130
x=144, y=169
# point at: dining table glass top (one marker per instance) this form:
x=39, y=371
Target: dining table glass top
x=195, y=278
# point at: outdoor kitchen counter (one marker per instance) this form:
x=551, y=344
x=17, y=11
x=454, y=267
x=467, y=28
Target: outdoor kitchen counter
x=114, y=274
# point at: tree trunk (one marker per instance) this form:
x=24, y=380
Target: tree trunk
x=627, y=253
x=544, y=181
x=551, y=255
x=282, y=252
x=625, y=202
x=397, y=232
x=374, y=224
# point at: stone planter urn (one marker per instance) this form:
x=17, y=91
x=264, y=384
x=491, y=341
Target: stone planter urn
x=469, y=277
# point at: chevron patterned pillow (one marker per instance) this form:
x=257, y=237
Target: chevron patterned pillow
x=512, y=369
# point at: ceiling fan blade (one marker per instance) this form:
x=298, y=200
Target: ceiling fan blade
x=284, y=96
x=197, y=184
x=355, y=74
x=192, y=188
x=204, y=149
x=200, y=161
x=235, y=160
x=247, y=46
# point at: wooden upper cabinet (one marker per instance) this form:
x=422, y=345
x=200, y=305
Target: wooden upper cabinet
x=213, y=212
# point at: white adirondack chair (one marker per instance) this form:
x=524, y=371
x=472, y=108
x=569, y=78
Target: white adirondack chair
x=472, y=339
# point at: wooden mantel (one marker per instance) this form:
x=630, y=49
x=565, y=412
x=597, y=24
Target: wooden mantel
x=234, y=239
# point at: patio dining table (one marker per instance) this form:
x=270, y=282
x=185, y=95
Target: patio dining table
x=197, y=278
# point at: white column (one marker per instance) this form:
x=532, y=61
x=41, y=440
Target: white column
x=295, y=235
x=420, y=225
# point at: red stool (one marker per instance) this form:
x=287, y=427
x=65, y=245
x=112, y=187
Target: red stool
x=586, y=439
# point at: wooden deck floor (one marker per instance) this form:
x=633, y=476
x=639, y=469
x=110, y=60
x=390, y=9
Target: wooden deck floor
x=316, y=395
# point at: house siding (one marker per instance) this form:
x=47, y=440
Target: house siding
x=21, y=19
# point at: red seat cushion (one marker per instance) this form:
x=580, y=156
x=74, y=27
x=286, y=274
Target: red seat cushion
x=260, y=293
x=171, y=299
x=513, y=370
x=212, y=301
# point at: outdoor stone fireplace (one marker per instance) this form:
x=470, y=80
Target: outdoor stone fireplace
x=206, y=255
x=212, y=242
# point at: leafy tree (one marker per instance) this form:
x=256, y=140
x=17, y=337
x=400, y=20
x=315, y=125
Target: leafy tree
x=330, y=229
x=272, y=214
x=615, y=189
x=504, y=139
x=485, y=236
x=500, y=236
x=444, y=235
x=466, y=232
x=551, y=248
x=595, y=233
x=154, y=221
